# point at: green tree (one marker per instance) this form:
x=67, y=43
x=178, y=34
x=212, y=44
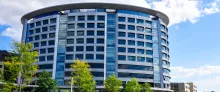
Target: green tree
x=146, y=87
x=82, y=77
x=45, y=82
x=133, y=86
x=22, y=61
x=112, y=84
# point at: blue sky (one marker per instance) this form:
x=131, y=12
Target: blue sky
x=193, y=34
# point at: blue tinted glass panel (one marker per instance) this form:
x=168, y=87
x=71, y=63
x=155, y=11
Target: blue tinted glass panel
x=131, y=58
x=100, y=25
x=140, y=36
x=121, y=34
x=121, y=26
x=131, y=42
x=148, y=37
x=131, y=27
x=131, y=50
x=121, y=19
x=101, y=17
x=122, y=42
x=80, y=25
x=131, y=20
x=90, y=25
x=91, y=17
x=140, y=51
x=121, y=49
x=140, y=28
x=121, y=57
x=81, y=18
x=131, y=35
x=140, y=43
x=140, y=59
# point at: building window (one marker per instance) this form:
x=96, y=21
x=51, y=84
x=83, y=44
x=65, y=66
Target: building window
x=148, y=22
x=44, y=36
x=46, y=66
x=50, y=50
x=89, y=40
x=163, y=34
x=30, y=39
x=131, y=42
x=122, y=42
x=150, y=60
x=121, y=57
x=80, y=33
x=50, y=58
x=140, y=28
x=53, y=20
x=148, y=30
x=140, y=36
x=70, y=41
x=100, y=48
x=71, y=18
x=121, y=26
x=45, y=22
x=163, y=41
x=80, y=40
x=131, y=20
x=100, y=33
x=69, y=56
x=79, y=48
x=140, y=51
x=43, y=43
x=31, y=25
x=149, y=45
x=89, y=48
x=100, y=40
x=38, y=23
x=37, y=30
x=36, y=45
x=148, y=37
x=131, y=50
x=81, y=18
x=131, y=27
x=131, y=35
x=31, y=32
x=99, y=56
x=37, y=37
x=71, y=26
x=121, y=34
x=44, y=29
x=121, y=19
x=70, y=33
x=42, y=51
x=140, y=59
x=121, y=49
x=51, y=42
x=100, y=25
x=69, y=49
x=89, y=56
x=139, y=43
x=90, y=17
x=52, y=28
x=140, y=21
x=80, y=25
x=90, y=25
x=131, y=58
x=101, y=17
x=90, y=33
x=149, y=52
x=41, y=58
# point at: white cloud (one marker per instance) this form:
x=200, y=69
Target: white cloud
x=179, y=10
x=11, y=32
x=205, y=77
x=180, y=72
x=213, y=7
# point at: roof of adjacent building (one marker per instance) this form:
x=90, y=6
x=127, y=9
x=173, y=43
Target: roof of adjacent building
x=93, y=6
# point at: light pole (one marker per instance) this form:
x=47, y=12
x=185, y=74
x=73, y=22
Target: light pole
x=71, y=84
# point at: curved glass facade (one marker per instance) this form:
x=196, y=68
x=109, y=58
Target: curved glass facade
x=124, y=43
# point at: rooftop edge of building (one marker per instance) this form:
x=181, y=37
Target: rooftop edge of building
x=90, y=5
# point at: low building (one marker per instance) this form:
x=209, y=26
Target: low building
x=180, y=87
x=193, y=87
x=3, y=54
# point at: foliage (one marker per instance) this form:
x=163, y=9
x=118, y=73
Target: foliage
x=8, y=87
x=45, y=82
x=112, y=84
x=22, y=61
x=146, y=87
x=133, y=86
x=82, y=77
